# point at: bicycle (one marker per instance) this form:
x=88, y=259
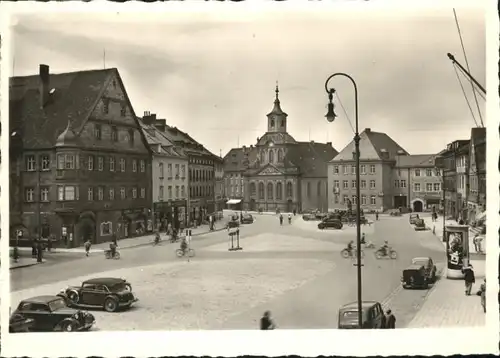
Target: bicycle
x=186, y=252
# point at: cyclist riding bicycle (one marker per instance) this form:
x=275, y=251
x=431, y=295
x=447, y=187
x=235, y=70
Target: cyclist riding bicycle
x=112, y=248
x=350, y=246
x=385, y=247
x=363, y=240
x=183, y=244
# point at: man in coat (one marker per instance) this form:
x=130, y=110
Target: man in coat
x=390, y=320
x=469, y=279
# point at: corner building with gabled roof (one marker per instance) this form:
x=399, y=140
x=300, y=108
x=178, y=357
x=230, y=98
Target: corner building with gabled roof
x=278, y=172
x=80, y=164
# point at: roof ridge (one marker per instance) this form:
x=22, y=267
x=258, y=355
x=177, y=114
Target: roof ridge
x=70, y=72
x=371, y=142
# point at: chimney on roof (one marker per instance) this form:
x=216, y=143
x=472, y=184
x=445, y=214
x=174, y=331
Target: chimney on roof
x=44, y=85
x=149, y=118
x=384, y=153
x=368, y=130
x=329, y=143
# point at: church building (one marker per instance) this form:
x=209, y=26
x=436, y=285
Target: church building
x=278, y=172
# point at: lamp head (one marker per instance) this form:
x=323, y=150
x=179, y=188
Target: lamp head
x=330, y=115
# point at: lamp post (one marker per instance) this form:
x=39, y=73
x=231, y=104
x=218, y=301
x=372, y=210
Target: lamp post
x=330, y=117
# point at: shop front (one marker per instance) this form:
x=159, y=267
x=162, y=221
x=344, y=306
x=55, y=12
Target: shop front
x=170, y=212
x=198, y=211
x=133, y=222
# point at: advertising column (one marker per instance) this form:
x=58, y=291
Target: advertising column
x=457, y=250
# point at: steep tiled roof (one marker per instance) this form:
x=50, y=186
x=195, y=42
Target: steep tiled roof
x=233, y=160
x=415, y=161
x=156, y=137
x=311, y=158
x=371, y=146
x=74, y=97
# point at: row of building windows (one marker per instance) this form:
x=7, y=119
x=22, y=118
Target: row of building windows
x=345, y=184
x=351, y=169
x=400, y=183
x=235, y=190
x=69, y=161
x=180, y=192
x=71, y=193
x=429, y=172
x=201, y=161
x=200, y=175
x=200, y=191
x=429, y=187
x=271, y=191
x=180, y=171
x=364, y=199
x=114, y=134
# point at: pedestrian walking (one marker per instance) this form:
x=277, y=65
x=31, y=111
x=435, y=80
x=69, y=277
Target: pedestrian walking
x=34, y=244
x=87, y=245
x=482, y=293
x=49, y=243
x=39, y=250
x=376, y=215
x=469, y=278
x=390, y=320
x=266, y=322
x=476, y=243
x=281, y=219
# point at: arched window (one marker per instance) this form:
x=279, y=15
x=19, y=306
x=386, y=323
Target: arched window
x=271, y=156
x=253, y=189
x=270, y=190
x=308, y=189
x=261, y=190
x=282, y=122
x=289, y=189
x=272, y=123
x=279, y=191
x=319, y=188
x=280, y=155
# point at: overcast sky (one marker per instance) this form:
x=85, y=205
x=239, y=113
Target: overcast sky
x=215, y=77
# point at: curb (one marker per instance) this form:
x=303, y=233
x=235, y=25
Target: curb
x=26, y=265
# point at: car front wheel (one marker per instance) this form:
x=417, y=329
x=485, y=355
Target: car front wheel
x=68, y=327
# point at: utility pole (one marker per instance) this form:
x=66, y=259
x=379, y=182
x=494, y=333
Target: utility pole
x=452, y=58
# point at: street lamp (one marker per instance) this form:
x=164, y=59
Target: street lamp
x=330, y=117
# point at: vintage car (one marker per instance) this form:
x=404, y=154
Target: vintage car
x=395, y=212
x=109, y=293
x=413, y=218
x=308, y=216
x=330, y=223
x=50, y=313
x=18, y=323
x=414, y=277
x=420, y=225
x=430, y=268
x=247, y=219
x=373, y=315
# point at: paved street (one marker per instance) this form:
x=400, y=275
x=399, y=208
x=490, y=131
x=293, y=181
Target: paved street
x=295, y=271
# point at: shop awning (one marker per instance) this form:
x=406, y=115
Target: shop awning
x=233, y=201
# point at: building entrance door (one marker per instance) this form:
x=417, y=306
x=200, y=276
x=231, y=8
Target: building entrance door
x=418, y=206
x=400, y=201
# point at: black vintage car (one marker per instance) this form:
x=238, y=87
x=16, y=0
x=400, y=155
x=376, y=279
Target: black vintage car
x=331, y=222
x=373, y=315
x=414, y=277
x=109, y=293
x=19, y=323
x=50, y=313
x=430, y=268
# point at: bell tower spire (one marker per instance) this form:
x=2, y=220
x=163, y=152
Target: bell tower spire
x=276, y=119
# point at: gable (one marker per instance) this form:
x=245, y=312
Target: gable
x=366, y=148
x=270, y=170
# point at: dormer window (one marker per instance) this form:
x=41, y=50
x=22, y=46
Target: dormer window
x=97, y=131
x=114, y=134
x=123, y=111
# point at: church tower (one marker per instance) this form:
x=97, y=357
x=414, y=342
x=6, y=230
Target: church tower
x=276, y=119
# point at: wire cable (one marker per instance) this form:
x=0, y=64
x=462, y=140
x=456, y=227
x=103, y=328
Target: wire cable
x=345, y=112
x=471, y=81
x=465, y=95
x=468, y=67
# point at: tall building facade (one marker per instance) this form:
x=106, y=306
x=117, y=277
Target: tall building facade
x=477, y=173
x=81, y=164
x=200, y=170
x=278, y=172
x=170, y=182
x=389, y=176
x=219, y=188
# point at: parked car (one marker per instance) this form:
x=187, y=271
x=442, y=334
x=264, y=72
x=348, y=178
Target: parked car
x=420, y=225
x=330, y=223
x=413, y=218
x=247, y=219
x=50, y=313
x=373, y=315
x=395, y=212
x=414, y=277
x=18, y=323
x=308, y=216
x=111, y=294
x=430, y=268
